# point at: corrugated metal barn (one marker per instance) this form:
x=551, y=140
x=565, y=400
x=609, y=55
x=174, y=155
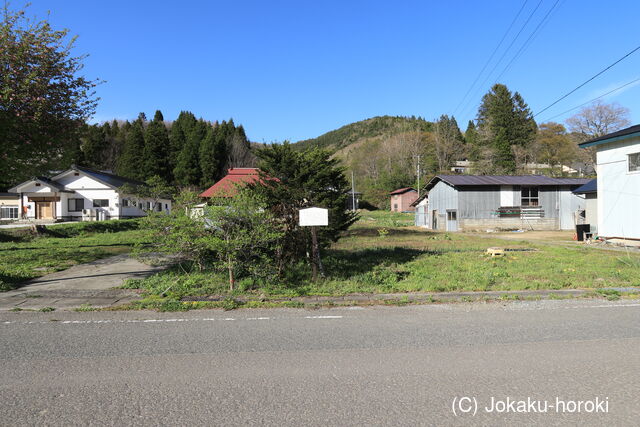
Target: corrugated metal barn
x=532, y=202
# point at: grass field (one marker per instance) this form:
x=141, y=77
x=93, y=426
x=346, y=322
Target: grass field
x=24, y=256
x=384, y=253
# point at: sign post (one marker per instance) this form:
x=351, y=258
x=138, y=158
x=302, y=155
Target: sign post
x=315, y=217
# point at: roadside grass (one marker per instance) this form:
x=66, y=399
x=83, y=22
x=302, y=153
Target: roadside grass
x=406, y=259
x=24, y=256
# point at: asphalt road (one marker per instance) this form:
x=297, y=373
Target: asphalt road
x=371, y=366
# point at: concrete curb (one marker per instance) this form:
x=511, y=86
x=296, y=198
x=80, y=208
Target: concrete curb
x=417, y=296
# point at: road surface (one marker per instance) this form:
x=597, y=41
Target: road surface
x=363, y=366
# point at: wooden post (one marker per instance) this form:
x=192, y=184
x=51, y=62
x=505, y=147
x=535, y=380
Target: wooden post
x=314, y=254
x=316, y=264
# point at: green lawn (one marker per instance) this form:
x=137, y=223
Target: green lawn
x=24, y=256
x=383, y=253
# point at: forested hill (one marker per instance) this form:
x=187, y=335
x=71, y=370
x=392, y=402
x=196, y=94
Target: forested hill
x=381, y=126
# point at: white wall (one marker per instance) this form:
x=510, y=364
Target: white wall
x=507, y=196
x=569, y=204
x=618, y=190
x=80, y=182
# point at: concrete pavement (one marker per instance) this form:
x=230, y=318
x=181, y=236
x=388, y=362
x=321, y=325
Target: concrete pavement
x=358, y=366
x=92, y=283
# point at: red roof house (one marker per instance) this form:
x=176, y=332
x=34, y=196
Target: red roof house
x=402, y=198
x=235, y=178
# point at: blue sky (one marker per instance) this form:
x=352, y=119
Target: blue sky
x=290, y=70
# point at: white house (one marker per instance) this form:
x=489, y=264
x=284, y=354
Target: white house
x=82, y=194
x=9, y=206
x=618, y=169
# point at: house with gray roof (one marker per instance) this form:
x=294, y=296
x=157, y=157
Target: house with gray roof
x=83, y=194
x=480, y=203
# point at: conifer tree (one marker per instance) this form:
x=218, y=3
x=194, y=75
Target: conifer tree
x=131, y=161
x=471, y=139
x=156, y=150
x=187, y=171
x=500, y=110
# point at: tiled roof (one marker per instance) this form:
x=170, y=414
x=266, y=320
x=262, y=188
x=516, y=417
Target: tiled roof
x=228, y=186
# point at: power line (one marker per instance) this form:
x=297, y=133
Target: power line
x=594, y=99
x=572, y=91
x=505, y=53
x=491, y=57
x=526, y=43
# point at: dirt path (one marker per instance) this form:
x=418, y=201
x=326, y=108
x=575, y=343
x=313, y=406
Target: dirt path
x=85, y=284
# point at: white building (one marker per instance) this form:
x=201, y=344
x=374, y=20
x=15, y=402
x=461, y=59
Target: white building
x=9, y=206
x=82, y=194
x=618, y=169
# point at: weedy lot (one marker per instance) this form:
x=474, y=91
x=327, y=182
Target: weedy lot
x=24, y=255
x=382, y=253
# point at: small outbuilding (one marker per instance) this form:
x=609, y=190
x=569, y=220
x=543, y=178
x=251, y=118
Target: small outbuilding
x=589, y=215
x=531, y=202
x=402, y=199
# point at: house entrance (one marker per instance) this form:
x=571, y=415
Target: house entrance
x=44, y=210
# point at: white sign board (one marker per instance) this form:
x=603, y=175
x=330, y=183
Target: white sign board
x=314, y=216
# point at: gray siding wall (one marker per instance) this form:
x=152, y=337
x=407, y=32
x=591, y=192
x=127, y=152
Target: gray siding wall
x=442, y=197
x=548, y=198
x=479, y=202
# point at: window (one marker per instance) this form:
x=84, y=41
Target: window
x=634, y=162
x=125, y=203
x=395, y=206
x=75, y=205
x=158, y=207
x=166, y=206
x=452, y=215
x=9, y=212
x=101, y=203
x=529, y=196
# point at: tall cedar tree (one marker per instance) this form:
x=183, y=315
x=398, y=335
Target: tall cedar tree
x=180, y=128
x=131, y=162
x=471, y=139
x=502, y=111
x=292, y=180
x=187, y=171
x=213, y=153
x=156, y=150
x=44, y=102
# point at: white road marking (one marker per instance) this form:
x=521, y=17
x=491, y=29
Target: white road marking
x=323, y=317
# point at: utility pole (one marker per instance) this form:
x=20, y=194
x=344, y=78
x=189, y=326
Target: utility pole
x=353, y=192
x=418, y=172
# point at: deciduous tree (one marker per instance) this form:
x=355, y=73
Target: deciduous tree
x=44, y=101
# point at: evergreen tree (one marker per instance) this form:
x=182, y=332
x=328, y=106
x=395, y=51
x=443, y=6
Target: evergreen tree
x=471, y=139
x=131, y=161
x=500, y=110
x=187, y=171
x=93, y=144
x=293, y=180
x=212, y=156
x=180, y=128
x=156, y=150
